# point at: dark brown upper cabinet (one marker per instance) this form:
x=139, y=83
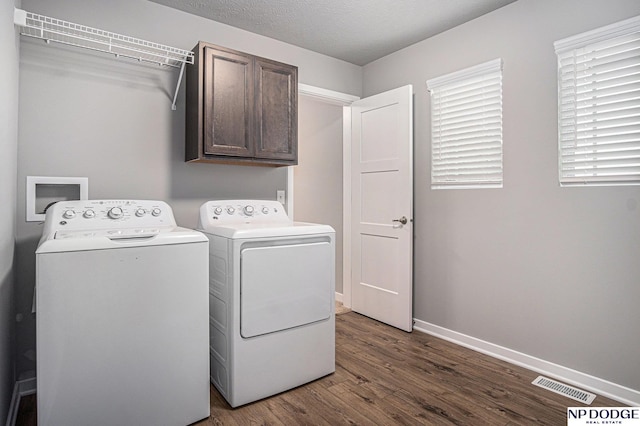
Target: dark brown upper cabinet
x=241, y=108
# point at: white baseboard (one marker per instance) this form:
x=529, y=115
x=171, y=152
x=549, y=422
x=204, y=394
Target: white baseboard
x=338, y=297
x=20, y=389
x=576, y=378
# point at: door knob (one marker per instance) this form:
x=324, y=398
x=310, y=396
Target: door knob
x=402, y=220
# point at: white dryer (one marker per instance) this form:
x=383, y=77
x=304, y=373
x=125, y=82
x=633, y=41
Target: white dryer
x=272, y=299
x=121, y=316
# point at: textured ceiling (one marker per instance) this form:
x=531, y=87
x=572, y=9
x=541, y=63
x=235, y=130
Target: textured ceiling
x=357, y=31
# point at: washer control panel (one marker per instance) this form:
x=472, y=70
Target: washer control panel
x=112, y=218
x=226, y=212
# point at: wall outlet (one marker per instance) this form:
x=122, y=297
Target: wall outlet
x=280, y=196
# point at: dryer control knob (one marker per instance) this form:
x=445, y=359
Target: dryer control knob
x=140, y=212
x=69, y=214
x=230, y=210
x=156, y=212
x=88, y=214
x=217, y=211
x=265, y=210
x=115, y=213
x=248, y=210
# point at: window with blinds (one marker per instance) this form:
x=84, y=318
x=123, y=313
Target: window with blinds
x=599, y=106
x=466, y=128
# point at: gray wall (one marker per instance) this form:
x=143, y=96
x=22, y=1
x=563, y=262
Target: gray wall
x=318, y=176
x=551, y=272
x=87, y=114
x=9, y=48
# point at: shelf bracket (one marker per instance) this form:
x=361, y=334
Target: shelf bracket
x=175, y=96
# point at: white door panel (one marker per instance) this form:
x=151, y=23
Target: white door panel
x=381, y=255
x=378, y=127
x=375, y=188
x=382, y=194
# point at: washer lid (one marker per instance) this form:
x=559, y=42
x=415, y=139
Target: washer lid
x=103, y=240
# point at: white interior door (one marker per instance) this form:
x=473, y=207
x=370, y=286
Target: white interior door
x=382, y=207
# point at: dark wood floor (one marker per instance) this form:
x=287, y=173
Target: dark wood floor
x=385, y=376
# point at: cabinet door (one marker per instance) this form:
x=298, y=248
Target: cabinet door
x=276, y=127
x=228, y=103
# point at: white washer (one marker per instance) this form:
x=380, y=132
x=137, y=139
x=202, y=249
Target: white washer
x=121, y=316
x=272, y=292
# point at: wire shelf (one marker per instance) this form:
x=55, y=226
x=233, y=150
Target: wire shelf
x=59, y=31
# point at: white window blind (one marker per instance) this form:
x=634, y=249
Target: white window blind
x=599, y=105
x=466, y=128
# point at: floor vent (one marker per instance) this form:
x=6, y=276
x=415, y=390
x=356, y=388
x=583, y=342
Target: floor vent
x=562, y=389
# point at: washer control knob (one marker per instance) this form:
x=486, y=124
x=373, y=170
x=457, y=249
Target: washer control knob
x=265, y=210
x=69, y=214
x=217, y=210
x=115, y=213
x=248, y=210
x=88, y=214
x=156, y=212
x=230, y=210
x=140, y=212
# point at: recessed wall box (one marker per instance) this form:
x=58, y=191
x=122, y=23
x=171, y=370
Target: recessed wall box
x=44, y=191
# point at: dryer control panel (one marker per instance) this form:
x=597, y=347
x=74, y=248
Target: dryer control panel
x=77, y=218
x=227, y=212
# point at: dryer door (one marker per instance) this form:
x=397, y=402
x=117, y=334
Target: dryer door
x=285, y=286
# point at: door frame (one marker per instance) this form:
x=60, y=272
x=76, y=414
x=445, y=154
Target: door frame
x=344, y=100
